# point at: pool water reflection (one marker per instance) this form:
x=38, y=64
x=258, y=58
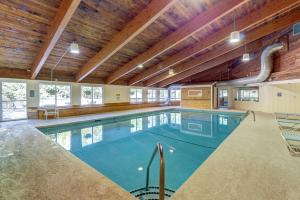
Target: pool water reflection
x=120, y=148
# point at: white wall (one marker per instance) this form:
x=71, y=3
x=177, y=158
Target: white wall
x=109, y=91
x=270, y=101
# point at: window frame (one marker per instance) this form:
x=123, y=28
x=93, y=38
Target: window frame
x=241, y=94
x=92, y=94
x=151, y=95
x=4, y=80
x=55, y=99
x=136, y=100
x=165, y=98
x=177, y=98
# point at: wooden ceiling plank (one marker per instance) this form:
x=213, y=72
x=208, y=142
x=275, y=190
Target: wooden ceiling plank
x=191, y=67
x=131, y=30
x=213, y=63
x=199, y=22
x=17, y=12
x=62, y=18
x=269, y=10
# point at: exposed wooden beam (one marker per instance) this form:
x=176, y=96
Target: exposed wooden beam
x=250, y=20
x=213, y=63
x=62, y=18
x=131, y=30
x=201, y=21
x=266, y=29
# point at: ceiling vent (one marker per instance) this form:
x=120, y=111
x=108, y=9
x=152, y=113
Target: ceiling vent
x=296, y=29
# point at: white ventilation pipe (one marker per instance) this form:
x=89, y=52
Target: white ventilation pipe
x=266, y=68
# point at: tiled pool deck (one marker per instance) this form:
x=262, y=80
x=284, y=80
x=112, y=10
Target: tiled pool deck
x=252, y=163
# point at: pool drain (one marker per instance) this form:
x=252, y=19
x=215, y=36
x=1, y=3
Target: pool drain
x=151, y=194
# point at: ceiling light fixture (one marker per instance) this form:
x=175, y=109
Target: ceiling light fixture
x=74, y=48
x=171, y=72
x=235, y=36
x=246, y=56
x=140, y=66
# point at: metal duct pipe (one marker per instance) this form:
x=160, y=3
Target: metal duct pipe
x=266, y=68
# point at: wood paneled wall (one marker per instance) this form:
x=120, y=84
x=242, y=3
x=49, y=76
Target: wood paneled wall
x=203, y=102
x=84, y=110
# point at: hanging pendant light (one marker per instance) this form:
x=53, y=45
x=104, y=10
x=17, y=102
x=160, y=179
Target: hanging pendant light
x=246, y=56
x=235, y=36
x=74, y=48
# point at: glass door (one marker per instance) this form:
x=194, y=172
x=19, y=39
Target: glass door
x=222, y=98
x=13, y=101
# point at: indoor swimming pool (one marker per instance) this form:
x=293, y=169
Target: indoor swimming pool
x=121, y=147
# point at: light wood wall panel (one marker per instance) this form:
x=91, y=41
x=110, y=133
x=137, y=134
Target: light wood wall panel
x=202, y=102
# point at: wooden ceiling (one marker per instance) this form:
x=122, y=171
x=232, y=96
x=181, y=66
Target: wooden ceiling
x=115, y=36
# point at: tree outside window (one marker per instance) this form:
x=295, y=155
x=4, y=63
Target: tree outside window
x=55, y=95
x=13, y=100
x=91, y=95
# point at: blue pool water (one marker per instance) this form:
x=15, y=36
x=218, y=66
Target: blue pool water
x=120, y=148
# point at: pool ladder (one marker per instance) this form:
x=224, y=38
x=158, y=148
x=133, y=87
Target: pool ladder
x=158, y=149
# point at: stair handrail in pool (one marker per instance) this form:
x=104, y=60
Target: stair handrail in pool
x=159, y=149
x=253, y=113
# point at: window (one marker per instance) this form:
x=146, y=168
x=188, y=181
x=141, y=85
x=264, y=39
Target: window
x=136, y=95
x=136, y=125
x=247, y=94
x=163, y=95
x=151, y=95
x=91, y=95
x=175, y=94
x=223, y=98
x=13, y=101
x=55, y=95
x=223, y=93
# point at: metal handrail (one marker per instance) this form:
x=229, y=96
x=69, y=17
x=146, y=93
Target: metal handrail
x=253, y=113
x=159, y=149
